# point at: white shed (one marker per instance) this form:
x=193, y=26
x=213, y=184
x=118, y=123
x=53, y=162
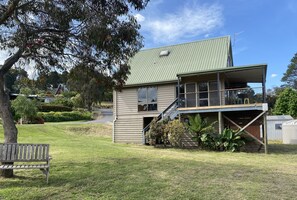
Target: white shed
x=290, y=132
x=274, y=126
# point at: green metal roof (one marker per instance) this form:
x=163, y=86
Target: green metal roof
x=148, y=67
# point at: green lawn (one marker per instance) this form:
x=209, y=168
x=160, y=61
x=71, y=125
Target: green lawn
x=87, y=165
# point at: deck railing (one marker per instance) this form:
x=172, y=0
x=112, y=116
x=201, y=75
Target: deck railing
x=223, y=97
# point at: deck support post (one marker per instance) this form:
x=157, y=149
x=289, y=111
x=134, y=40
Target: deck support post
x=220, y=122
x=265, y=132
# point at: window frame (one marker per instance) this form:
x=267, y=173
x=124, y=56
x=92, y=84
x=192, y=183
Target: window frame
x=147, y=103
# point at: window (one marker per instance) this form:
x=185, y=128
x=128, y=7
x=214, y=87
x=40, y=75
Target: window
x=181, y=94
x=278, y=126
x=147, y=99
x=203, y=94
x=191, y=95
x=198, y=94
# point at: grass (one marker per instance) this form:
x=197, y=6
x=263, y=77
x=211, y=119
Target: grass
x=87, y=165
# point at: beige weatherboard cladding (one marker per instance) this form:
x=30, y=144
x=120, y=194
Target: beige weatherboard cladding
x=129, y=122
x=155, y=67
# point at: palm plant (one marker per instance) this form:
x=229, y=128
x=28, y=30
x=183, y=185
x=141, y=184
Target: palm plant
x=231, y=140
x=199, y=126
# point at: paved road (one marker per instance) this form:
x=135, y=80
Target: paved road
x=105, y=118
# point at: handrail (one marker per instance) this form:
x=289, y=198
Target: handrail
x=160, y=115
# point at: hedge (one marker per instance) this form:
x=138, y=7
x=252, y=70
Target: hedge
x=54, y=108
x=64, y=116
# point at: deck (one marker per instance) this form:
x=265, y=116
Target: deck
x=224, y=108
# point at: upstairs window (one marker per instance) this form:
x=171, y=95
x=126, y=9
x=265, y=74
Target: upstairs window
x=147, y=99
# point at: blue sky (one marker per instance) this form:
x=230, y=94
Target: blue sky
x=262, y=31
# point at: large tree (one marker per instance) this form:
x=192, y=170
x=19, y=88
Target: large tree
x=15, y=78
x=51, y=34
x=290, y=76
x=286, y=103
x=89, y=83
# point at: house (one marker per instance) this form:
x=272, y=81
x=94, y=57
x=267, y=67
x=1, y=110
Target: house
x=196, y=77
x=274, y=126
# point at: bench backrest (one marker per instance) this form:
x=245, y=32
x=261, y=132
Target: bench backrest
x=15, y=152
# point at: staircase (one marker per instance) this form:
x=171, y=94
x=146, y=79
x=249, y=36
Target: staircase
x=170, y=113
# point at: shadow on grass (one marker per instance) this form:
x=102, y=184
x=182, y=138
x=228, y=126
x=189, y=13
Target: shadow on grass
x=282, y=148
x=153, y=178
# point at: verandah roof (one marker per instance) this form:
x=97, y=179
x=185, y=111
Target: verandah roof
x=248, y=73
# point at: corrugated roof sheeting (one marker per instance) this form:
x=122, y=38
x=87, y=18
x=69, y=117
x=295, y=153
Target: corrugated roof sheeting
x=148, y=67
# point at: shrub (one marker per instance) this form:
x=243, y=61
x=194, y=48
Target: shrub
x=199, y=126
x=210, y=141
x=231, y=140
x=77, y=101
x=174, y=131
x=156, y=132
x=62, y=101
x=54, y=108
x=65, y=116
x=24, y=108
x=228, y=140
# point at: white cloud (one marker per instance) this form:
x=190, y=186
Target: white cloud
x=139, y=17
x=273, y=75
x=190, y=21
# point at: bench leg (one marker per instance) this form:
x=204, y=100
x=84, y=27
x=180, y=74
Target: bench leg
x=46, y=172
x=47, y=175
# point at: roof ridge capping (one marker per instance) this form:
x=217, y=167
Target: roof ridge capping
x=185, y=43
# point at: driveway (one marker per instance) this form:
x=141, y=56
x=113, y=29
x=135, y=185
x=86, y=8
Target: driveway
x=106, y=117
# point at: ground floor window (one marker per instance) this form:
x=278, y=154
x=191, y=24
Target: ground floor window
x=147, y=99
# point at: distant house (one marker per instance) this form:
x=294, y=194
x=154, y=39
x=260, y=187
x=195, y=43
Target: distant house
x=274, y=126
x=196, y=77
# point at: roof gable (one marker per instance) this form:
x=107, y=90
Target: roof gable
x=147, y=66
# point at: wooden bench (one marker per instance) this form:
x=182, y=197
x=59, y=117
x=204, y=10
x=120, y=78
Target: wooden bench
x=29, y=156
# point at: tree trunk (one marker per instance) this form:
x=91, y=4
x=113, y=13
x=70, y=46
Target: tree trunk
x=10, y=130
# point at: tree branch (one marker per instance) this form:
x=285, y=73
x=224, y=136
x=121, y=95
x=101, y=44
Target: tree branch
x=9, y=62
x=11, y=8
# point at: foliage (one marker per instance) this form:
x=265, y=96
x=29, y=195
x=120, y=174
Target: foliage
x=175, y=130
x=210, y=141
x=156, y=132
x=286, y=103
x=81, y=158
x=62, y=101
x=290, y=76
x=15, y=79
x=65, y=116
x=77, y=101
x=69, y=94
x=230, y=140
x=198, y=126
x=89, y=83
x=24, y=108
x=53, y=35
x=55, y=108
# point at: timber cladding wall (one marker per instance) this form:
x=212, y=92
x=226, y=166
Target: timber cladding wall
x=129, y=122
x=128, y=130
